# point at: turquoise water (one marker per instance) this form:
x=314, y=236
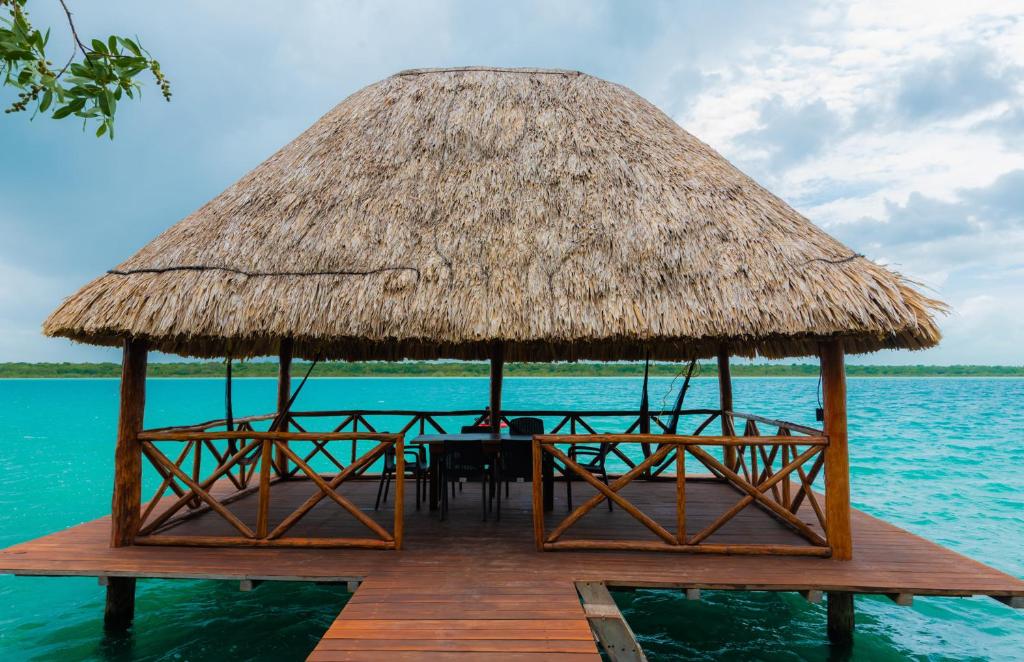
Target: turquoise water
x=943, y=458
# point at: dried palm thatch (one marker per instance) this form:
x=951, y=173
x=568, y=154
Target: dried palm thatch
x=438, y=211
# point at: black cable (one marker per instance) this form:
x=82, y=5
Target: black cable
x=284, y=413
x=243, y=272
x=841, y=260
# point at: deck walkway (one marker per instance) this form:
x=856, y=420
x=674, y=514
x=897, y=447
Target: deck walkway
x=465, y=617
x=460, y=580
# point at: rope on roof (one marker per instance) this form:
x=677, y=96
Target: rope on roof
x=243, y=272
x=841, y=260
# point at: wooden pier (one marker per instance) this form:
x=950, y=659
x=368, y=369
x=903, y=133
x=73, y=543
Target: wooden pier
x=465, y=587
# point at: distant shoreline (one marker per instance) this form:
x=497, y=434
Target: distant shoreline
x=215, y=370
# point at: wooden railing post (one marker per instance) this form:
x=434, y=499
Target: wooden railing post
x=399, y=530
x=284, y=394
x=725, y=404
x=681, y=495
x=538, y=497
x=837, y=460
x=263, y=507
x=126, y=504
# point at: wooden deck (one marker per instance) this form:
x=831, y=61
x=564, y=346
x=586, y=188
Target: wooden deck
x=468, y=587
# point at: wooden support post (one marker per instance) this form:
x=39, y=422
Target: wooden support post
x=837, y=459
x=284, y=394
x=608, y=624
x=125, y=507
x=120, y=609
x=246, y=585
x=840, y=618
x=725, y=403
x=813, y=596
x=497, y=373
x=902, y=599
x=692, y=593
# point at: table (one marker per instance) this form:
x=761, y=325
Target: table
x=436, y=443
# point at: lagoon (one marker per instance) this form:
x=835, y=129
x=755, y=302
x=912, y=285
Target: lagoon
x=940, y=457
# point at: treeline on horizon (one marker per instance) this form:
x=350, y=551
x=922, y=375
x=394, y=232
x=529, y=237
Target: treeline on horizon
x=480, y=369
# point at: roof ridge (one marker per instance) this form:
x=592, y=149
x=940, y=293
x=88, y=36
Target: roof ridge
x=498, y=70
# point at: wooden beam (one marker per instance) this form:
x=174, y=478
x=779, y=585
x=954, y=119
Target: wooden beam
x=837, y=459
x=284, y=394
x=840, y=618
x=497, y=374
x=126, y=505
x=609, y=626
x=813, y=596
x=246, y=585
x=902, y=599
x=725, y=402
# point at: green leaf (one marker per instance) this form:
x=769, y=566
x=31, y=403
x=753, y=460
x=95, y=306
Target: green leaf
x=63, y=112
x=100, y=131
x=132, y=46
x=112, y=44
x=47, y=100
x=111, y=102
x=99, y=46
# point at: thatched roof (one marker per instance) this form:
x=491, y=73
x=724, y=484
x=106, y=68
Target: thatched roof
x=436, y=211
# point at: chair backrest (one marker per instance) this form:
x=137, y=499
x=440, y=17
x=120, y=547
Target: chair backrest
x=390, y=464
x=526, y=425
x=473, y=429
x=516, y=460
x=464, y=458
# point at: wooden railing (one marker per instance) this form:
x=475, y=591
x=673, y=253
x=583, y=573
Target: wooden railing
x=244, y=464
x=563, y=421
x=775, y=473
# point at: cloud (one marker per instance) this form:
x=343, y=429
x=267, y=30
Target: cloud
x=921, y=219
x=963, y=81
x=789, y=134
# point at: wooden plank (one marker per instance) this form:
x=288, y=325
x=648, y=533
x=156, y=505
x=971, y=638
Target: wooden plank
x=609, y=626
x=379, y=620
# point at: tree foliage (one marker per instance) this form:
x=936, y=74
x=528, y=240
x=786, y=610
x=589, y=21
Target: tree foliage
x=89, y=85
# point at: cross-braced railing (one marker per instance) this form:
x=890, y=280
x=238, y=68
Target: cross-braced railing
x=244, y=464
x=778, y=478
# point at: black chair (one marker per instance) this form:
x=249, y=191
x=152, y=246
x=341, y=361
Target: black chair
x=416, y=467
x=590, y=459
x=466, y=461
x=516, y=459
x=471, y=429
x=526, y=425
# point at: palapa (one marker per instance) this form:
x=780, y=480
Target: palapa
x=437, y=212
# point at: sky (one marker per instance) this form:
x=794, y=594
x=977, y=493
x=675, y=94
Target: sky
x=896, y=126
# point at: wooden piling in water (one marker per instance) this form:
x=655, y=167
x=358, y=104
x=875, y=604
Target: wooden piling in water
x=840, y=618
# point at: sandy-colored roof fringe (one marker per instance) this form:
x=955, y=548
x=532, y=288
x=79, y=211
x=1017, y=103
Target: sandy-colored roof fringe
x=437, y=211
